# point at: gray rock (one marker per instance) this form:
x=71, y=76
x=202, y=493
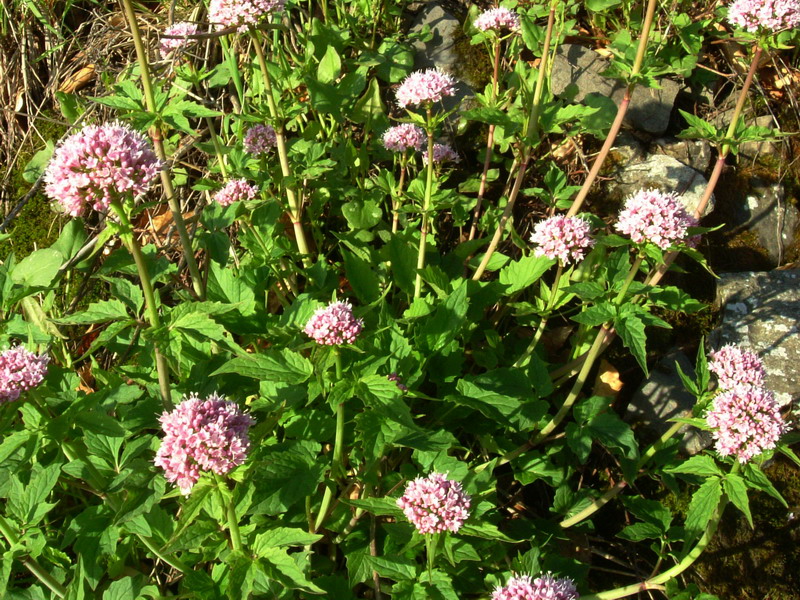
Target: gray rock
x=760, y=311
x=764, y=211
x=665, y=173
x=578, y=70
x=692, y=153
x=662, y=397
x=440, y=51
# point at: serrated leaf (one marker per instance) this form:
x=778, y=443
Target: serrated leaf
x=701, y=464
x=98, y=312
x=596, y=315
x=287, y=570
x=395, y=567
x=631, y=330
x=284, y=537
x=520, y=274
x=736, y=490
x=704, y=503
x=755, y=478
x=486, y=531
x=284, y=366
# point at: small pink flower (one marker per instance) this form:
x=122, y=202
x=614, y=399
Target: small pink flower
x=334, y=325
x=168, y=44
x=772, y=15
x=234, y=191
x=656, y=217
x=241, y=13
x=98, y=164
x=546, y=587
x=497, y=19
x=260, y=139
x=202, y=435
x=405, y=136
x=441, y=153
x=422, y=87
x=20, y=371
x=747, y=421
x=733, y=365
x=564, y=238
x=435, y=503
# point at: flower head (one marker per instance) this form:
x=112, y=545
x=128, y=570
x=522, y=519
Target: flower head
x=234, y=191
x=771, y=15
x=564, y=238
x=441, y=153
x=435, y=503
x=20, y=371
x=241, y=13
x=168, y=44
x=546, y=587
x=497, y=19
x=334, y=325
x=748, y=421
x=733, y=365
x=420, y=87
x=202, y=435
x=657, y=217
x=98, y=164
x=260, y=139
x=405, y=136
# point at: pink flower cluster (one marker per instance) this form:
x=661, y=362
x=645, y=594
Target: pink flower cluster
x=546, y=587
x=241, y=13
x=234, y=191
x=334, y=325
x=20, y=371
x=748, y=421
x=405, y=136
x=98, y=164
x=441, y=153
x=564, y=238
x=169, y=44
x=260, y=139
x=733, y=366
x=771, y=15
x=426, y=86
x=434, y=504
x=207, y=435
x=656, y=217
x=497, y=19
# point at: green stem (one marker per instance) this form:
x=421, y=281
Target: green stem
x=522, y=360
x=158, y=144
x=337, y=464
x=31, y=564
x=621, y=112
x=487, y=161
x=295, y=207
x=129, y=239
x=658, y=580
x=530, y=131
x=426, y=206
x=431, y=548
x=398, y=192
x=230, y=512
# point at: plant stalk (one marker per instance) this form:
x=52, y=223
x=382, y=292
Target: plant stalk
x=129, y=239
x=426, y=207
x=621, y=112
x=31, y=564
x=295, y=205
x=523, y=359
x=158, y=144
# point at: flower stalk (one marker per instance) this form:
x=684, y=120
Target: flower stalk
x=426, y=206
x=523, y=359
x=158, y=144
x=31, y=564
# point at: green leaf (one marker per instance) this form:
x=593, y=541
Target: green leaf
x=98, y=312
x=485, y=530
x=755, y=478
x=521, y=273
x=288, y=474
x=704, y=503
x=394, y=567
x=640, y=531
x=284, y=537
x=596, y=315
x=397, y=60
x=601, y=5
x=38, y=163
x=38, y=269
x=330, y=67
x=736, y=490
x=382, y=507
x=284, y=366
x=631, y=330
x=287, y=571
x=362, y=278
x=12, y=442
x=369, y=108
x=446, y=322
x=701, y=464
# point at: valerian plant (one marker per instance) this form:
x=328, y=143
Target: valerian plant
x=317, y=386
